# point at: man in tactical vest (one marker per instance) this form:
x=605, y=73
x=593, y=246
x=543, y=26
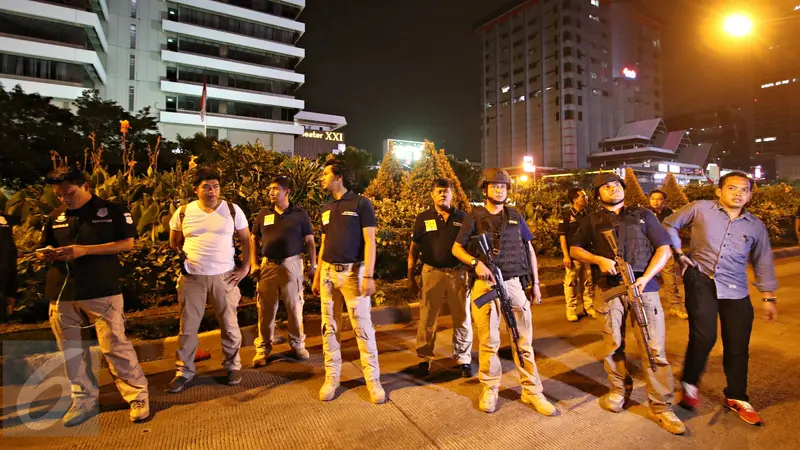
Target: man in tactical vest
x=644, y=244
x=509, y=239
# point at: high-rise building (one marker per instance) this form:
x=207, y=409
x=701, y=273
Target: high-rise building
x=725, y=128
x=158, y=54
x=551, y=86
x=776, y=106
x=635, y=63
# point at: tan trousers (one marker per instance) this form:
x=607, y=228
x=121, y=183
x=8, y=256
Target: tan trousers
x=672, y=293
x=487, y=319
x=280, y=282
x=577, y=284
x=107, y=315
x=660, y=384
x=338, y=289
x=440, y=286
x=193, y=292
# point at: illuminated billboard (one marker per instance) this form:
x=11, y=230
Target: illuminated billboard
x=406, y=152
x=629, y=73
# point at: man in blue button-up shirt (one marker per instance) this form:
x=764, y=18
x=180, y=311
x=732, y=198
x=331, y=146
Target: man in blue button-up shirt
x=724, y=238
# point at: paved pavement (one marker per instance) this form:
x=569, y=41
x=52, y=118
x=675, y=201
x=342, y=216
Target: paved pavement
x=277, y=407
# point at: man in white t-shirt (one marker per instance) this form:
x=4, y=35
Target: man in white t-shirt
x=203, y=231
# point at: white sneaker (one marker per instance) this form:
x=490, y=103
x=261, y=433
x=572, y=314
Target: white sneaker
x=328, y=390
x=488, y=400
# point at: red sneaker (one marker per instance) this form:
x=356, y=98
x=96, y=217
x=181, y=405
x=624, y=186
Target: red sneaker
x=746, y=412
x=689, y=398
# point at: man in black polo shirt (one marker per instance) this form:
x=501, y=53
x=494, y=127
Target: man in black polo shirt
x=284, y=231
x=578, y=279
x=443, y=278
x=82, y=239
x=8, y=266
x=347, y=265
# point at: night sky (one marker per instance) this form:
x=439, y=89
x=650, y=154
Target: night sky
x=410, y=69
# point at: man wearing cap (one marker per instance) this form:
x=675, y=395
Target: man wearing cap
x=578, y=279
x=669, y=274
x=81, y=240
x=443, y=278
x=284, y=231
x=644, y=244
x=509, y=239
x=345, y=275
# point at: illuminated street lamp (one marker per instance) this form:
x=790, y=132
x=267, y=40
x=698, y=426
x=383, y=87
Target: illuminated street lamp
x=523, y=179
x=738, y=25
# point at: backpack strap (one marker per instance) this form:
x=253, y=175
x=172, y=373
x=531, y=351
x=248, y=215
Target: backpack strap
x=182, y=215
x=233, y=212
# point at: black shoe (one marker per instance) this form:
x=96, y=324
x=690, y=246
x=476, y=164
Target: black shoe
x=177, y=384
x=424, y=369
x=466, y=370
x=234, y=377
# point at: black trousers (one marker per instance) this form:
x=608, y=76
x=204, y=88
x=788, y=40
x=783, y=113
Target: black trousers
x=736, y=319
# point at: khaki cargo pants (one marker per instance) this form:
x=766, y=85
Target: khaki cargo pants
x=193, y=292
x=672, y=293
x=660, y=384
x=338, y=288
x=440, y=286
x=283, y=282
x=578, y=284
x=487, y=320
x=106, y=313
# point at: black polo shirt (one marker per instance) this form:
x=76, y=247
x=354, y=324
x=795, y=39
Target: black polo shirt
x=435, y=237
x=282, y=235
x=91, y=276
x=342, y=224
x=569, y=222
x=8, y=257
x=666, y=212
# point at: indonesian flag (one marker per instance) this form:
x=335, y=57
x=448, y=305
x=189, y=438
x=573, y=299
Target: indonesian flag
x=203, y=98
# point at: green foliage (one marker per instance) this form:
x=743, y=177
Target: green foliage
x=541, y=204
x=634, y=195
x=393, y=235
x=433, y=164
x=388, y=183
x=676, y=198
x=468, y=175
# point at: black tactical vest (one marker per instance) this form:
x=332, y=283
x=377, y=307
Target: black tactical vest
x=510, y=255
x=634, y=246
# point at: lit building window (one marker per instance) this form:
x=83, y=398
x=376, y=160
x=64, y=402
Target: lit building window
x=594, y=76
x=596, y=3
x=595, y=18
x=133, y=36
x=505, y=89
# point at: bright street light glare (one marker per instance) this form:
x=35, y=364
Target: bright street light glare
x=738, y=25
x=523, y=178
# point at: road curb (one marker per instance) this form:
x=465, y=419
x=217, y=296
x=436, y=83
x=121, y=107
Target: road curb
x=19, y=370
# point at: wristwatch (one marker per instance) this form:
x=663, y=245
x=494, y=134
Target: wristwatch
x=770, y=300
x=473, y=263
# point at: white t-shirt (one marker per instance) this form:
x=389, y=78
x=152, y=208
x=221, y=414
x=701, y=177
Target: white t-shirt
x=208, y=238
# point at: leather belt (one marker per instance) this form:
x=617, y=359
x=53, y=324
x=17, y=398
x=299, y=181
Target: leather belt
x=447, y=269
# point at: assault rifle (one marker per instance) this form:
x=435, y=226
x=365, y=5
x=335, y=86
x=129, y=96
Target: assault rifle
x=500, y=292
x=632, y=292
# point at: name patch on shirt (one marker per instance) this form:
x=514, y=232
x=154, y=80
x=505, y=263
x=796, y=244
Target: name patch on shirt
x=350, y=213
x=513, y=222
x=456, y=224
x=62, y=225
x=326, y=217
x=430, y=225
x=128, y=218
x=102, y=221
x=269, y=220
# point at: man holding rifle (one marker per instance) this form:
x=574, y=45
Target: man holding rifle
x=510, y=255
x=641, y=246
